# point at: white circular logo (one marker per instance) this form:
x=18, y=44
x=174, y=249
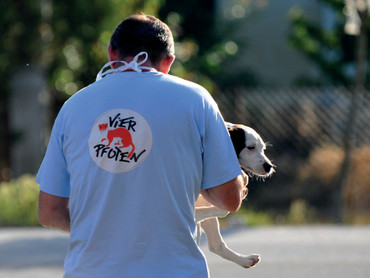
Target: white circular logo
x=120, y=140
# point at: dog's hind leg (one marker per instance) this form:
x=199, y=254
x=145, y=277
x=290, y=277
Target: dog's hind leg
x=216, y=244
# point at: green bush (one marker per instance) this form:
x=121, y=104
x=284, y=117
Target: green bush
x=300, y=213
x=18, y=202
x=254, y=218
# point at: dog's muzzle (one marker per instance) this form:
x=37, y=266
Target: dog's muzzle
x=267, y=167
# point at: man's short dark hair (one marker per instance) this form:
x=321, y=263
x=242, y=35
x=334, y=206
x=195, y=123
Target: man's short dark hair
x=143, y=33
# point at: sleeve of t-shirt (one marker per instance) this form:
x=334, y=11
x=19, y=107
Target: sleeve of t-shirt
x=220, y=163
x=53, y=176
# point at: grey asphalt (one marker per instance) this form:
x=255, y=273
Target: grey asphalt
x=314, y=251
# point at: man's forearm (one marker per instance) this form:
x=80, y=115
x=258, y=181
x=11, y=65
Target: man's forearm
x=227, y=196
x=54, y=212
x=60, y=221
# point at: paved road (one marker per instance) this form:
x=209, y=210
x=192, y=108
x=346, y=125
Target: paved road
x=299, y=252
x=289, y=252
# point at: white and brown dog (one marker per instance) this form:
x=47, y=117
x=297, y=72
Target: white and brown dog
x=250, y=150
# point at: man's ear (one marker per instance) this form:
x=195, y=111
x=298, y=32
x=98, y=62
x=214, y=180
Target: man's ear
x=166, y=64
x=112, y=54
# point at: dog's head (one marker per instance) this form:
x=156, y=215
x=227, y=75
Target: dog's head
x=250, y=149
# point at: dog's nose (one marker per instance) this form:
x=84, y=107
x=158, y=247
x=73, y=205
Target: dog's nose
x=267, y=166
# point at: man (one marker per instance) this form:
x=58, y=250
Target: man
x=127, y=159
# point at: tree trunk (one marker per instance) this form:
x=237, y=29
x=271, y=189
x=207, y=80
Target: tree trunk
x=349, y=139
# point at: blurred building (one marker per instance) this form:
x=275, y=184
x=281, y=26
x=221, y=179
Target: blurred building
x=28, y=120
x=264, y=30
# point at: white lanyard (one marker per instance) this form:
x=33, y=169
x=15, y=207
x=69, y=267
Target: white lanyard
x=133, y=65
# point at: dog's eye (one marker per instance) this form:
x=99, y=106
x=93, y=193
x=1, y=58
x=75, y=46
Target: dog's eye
x=251, y=147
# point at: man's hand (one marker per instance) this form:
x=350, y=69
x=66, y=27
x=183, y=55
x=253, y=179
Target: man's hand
x=245, y=187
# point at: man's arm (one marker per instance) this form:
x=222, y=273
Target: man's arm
x=228, y=196
x=54, y=211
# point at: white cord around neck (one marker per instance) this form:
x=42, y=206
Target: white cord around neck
x=133, y=65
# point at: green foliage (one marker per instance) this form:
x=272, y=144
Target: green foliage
x=68, y=38
x=252, y=217
x=81, y=36
x=75, y=52
x=300, y=213
x=18, y=202
x=330, y=48
x=19, y=42
x=20, y=45
x=205, y=48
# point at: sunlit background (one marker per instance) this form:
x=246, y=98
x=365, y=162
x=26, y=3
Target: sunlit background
x=295, y=71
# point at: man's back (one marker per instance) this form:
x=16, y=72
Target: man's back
x=138, y=148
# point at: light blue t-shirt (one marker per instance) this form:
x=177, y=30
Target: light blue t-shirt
x=132, y=152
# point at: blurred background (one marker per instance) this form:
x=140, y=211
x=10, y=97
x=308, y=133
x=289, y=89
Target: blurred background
x=295, y=71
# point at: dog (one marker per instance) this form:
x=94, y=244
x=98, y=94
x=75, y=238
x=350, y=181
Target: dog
x=250, y=150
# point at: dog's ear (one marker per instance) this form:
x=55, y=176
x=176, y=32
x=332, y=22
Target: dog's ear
x=237, y=136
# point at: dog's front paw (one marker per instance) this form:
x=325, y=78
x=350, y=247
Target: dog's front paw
x=250, y=260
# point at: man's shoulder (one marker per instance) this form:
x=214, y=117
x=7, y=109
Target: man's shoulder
x=80, y=95
x=183, y=86
x=183, y=82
